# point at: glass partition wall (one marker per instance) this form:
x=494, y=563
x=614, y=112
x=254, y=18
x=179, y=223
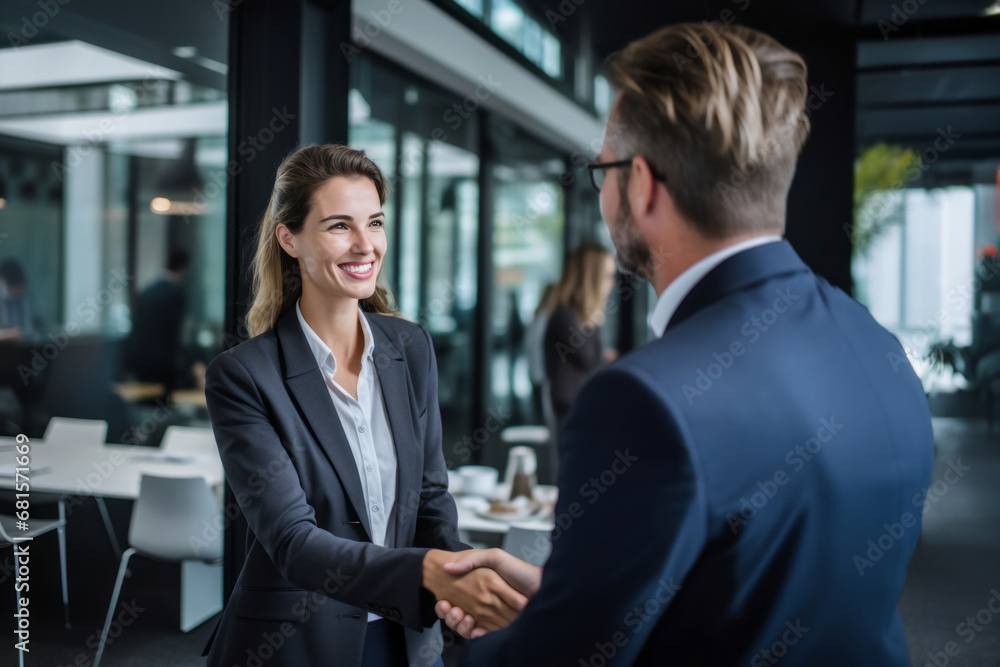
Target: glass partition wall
x=112, y=182
x=431, y=147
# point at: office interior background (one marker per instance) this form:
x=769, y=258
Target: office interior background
x=132, y=130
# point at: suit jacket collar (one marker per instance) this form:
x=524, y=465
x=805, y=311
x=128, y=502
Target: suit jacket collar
x=736, y=273
x=306, y=384
x=297, y=356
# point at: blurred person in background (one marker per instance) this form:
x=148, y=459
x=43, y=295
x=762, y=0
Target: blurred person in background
x=535, y=350
x=574, y=347
x=15, y=307
x=153, y=344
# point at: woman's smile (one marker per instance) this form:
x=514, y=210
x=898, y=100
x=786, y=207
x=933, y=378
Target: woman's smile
x=359, y=271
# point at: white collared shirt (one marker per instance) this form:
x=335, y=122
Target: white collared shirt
x=366, y=425
x=675, y=292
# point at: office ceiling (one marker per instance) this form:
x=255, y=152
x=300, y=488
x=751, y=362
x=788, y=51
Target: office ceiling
x=153, y=32
x=940, y=69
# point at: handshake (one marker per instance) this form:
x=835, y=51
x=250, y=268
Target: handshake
x=479, y=590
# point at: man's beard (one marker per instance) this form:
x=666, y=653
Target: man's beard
x=631, y=252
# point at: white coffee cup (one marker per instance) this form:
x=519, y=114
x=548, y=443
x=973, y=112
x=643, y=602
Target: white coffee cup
x=479, y=480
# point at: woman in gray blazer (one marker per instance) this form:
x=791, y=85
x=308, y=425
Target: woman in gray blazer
x=329, y=429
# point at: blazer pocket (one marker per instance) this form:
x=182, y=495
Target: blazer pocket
x=272, y=604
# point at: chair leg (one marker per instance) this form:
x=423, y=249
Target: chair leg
x=114, y=602
x=108, y=527
x=62, y=562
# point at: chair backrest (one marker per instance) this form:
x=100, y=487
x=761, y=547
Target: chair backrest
x=82, y=432
x=189, y=440
x=532, y=545
x=176, y=518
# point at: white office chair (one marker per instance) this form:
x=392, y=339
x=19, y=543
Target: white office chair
x=532, y=545
x=84, y=433
x=170, y=522
x=189, y=440
x=10, y=535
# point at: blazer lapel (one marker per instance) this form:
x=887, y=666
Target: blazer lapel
x=397, y=394
x=306, y=383
x=738, y=272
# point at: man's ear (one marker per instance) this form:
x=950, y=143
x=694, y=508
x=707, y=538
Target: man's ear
x=284, y=237
x=643, y=196
x=642, y=189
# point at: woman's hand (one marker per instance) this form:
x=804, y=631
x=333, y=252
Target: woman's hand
x=523, y=577
x=485, y=594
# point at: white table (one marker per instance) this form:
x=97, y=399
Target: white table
x=470, y=521
x=115, y=471
x=109, y=471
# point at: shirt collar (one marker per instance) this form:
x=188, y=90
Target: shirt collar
x=675, y=292
x=324, y=357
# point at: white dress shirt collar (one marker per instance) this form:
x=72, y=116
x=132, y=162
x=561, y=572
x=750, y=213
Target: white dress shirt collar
x=675, y=292
x=324, y=357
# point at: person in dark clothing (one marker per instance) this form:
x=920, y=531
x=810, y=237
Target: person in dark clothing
x=15, y=309
x=151, y=351
x=573, y=345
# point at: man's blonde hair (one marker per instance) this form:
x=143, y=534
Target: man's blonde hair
x=719, y=114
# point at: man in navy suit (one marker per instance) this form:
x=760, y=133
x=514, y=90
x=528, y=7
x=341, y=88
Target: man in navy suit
x=745, y=489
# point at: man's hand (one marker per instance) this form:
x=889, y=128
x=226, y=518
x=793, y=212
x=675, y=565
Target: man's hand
x=524, y=577
x=492, y=601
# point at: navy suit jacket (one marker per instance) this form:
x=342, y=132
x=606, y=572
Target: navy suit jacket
x=743, y=490
x=312, y=573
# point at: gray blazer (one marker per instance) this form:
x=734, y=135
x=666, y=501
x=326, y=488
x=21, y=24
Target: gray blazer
x=312, y=573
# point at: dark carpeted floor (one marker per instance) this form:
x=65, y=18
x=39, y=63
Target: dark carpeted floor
x=955, y=569
x=954, y=574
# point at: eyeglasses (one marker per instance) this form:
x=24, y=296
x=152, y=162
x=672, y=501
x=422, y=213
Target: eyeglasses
x=598, y=171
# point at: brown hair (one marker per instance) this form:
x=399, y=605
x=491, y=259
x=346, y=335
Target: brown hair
x=277, y=281
x=579, y=286
x=718, y=112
